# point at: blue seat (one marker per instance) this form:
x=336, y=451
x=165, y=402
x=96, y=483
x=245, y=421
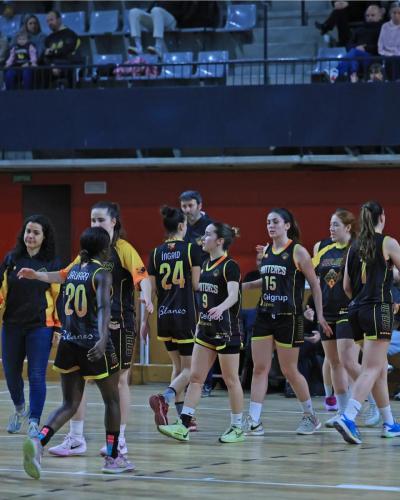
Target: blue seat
x=10, y=28
x=240, y=17
x=333, y=53
x=103, y=59
x=212, y=64
x=103, y=21
x=43, y=23
x=74, y=21
x=181, y=65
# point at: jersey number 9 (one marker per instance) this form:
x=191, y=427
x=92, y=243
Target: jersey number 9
x=177, y=275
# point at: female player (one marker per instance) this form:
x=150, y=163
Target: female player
x=127, y=271
x=284, y=266
x=218, y=334
x=368, y=280
x=29, y=319
x=85, y=350
x=174, y=269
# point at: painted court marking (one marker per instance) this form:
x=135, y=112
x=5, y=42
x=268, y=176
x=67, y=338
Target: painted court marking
x=361, y=487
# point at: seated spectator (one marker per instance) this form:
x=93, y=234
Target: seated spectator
x=9, y=25
x=19, y=63
x=61, y=46
x=389, y=42
x=376, y=73
x=3, y=49
x=34, y=31
x=363, y=45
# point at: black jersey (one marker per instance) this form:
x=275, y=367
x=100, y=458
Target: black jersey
x=171, y=264
x=195, y=233
x=213, y=288
x=329, y=264
x=376, y=277
x=282, y=282
x=80, y=306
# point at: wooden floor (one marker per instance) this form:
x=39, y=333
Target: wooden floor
x=280, y=465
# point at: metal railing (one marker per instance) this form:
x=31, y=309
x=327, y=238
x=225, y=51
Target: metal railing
x=288, y=71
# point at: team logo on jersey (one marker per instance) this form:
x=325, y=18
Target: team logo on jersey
x=216, y=273
x=108, y=266
x=285, y=256
x=331, y=278
x=171, y=246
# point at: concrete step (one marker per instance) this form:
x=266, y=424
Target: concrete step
x=298, y=34
x=303, y=50
x=313, y=6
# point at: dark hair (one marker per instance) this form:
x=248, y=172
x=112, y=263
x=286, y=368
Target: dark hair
x=47, y=250
x=376, y=68
x=57, y=13
x=93, y=241
x=227, y=232
x=294, y=231
x=28, y=18
x=191, y=195
x=172, y=217
x=348, y=219
x=394, y=5
x=113, y=211
x=369, y=218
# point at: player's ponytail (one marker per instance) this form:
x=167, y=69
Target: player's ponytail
x=172, y=217
x=294, y=231
x=227, y=232
x=369, y=218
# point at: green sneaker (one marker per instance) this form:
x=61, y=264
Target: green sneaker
x=232, y=435
x=32, y=450
x=176, y=431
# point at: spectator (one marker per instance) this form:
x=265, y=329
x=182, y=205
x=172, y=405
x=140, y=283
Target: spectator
x=389, y=42
x=160, y=16
x=61, y=46
x=3, y=49
x=363, y=44
x=34, y=31
x=376, y=73
x=9, y=22
x=22, y=57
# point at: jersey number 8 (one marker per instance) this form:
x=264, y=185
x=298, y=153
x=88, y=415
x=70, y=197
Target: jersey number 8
x=177, y=275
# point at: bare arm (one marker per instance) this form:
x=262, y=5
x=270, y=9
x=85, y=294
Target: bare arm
x=250, y=285
x=46, y=277
x=103, y=282
x=233, y=295
x=346, y=280
x=146, y=288
x=195, y=277
x=391, y=249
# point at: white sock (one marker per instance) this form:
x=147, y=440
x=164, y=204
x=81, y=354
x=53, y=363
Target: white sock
x=307, y=406
x=342, y=400
x=371, y=399
x=76, y=428
x=186, y=410
x=236, y=419
x=138, y=43
x=352, y=409
x=328, y=390
x=122, y=428
x=255, y=411
x=387, y=416
x=159, y=44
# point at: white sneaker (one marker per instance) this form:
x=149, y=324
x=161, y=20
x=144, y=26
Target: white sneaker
x=370, y=417
x=252, y=428
x=122, y=448
x=329, y=423
x=69, y=447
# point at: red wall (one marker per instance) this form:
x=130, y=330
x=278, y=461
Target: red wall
x=241, y=198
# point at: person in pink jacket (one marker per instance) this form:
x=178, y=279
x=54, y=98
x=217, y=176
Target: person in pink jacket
x=22, y=58
x=389, y=43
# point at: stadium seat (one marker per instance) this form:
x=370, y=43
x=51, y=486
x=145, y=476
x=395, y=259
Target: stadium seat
x=335, y=53
x=183, y=65
x=240, y=17
x=208, y=67
x=74, y=21
x=103, y=59
x=10, y=28
x=103, y=21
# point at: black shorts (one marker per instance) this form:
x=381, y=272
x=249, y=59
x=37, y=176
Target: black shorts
x=373, y=322
x=341, y=329
x=286, y=329
x=228, y=345
x=124, y=343
x=184, y=348
x=71, y=358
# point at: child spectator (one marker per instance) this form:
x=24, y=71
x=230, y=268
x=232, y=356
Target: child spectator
x=22, y=57
x=376, y=73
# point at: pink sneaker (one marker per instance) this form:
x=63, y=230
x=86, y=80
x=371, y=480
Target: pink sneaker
x=117, y=465
x=71, y=446
x=331, y=403
x=160, y=407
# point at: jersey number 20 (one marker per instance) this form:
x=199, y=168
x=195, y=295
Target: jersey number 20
x=76, y=300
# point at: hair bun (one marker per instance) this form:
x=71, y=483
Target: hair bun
x=167, y=211
x=235, y=232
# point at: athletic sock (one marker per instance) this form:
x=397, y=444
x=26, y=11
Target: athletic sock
x=342, y=400
x=352, y=409
x=307, y=406
x=112, y=443
x=122, y=428
x=76, y=428
x=169, y=394
x=236, y=419
x=371, y=399
x=328, y=390
x=179, y=407
x=45, y=435
x=255, y=411
x=387, y=416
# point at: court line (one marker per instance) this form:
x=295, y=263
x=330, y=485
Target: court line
x=368, y=487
